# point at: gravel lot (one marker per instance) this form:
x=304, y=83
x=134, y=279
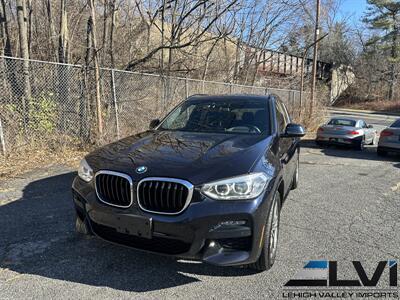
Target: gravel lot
x=346, y=208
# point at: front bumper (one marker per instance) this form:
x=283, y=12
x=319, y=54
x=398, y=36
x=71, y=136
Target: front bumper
x=196, y=233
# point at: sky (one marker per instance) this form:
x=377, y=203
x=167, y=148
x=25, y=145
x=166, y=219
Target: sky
x=354, y=8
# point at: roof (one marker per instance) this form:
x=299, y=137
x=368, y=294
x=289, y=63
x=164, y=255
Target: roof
x=230, y=97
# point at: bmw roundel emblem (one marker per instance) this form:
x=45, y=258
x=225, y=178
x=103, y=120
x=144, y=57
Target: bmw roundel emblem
x=141, y=169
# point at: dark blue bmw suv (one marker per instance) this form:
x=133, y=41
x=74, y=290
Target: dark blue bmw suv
x=207, y=182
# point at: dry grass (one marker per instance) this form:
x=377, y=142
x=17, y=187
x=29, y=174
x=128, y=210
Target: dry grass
x=378, y=105
x=311, y=122
x=25, y=159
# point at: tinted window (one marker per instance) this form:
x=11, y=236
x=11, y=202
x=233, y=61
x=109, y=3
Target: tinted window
x=342, y=122
x=396, y=124
x=220, y=116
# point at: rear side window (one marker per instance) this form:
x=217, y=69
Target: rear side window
x=396, y=124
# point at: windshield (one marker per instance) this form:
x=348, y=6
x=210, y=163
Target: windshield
x=342, y=122
x=221, y=116
x=396, y=124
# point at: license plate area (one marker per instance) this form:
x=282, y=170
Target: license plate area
x=336, y=140
x=127, y=224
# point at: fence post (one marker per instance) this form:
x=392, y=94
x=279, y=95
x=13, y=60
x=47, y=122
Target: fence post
x=115, y=102
x=2, y=142
x=186, y=87
x=163, y=92
x=292, y=102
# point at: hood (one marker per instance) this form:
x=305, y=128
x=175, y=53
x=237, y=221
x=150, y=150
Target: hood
x=196, y=157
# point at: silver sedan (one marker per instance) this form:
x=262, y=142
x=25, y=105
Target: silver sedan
x=346, y=131
x=389, y=140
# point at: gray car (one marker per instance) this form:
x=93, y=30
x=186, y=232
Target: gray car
x=346, y=131
x=389, y=140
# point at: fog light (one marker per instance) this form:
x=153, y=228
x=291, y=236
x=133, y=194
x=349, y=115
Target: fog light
x=212, y=244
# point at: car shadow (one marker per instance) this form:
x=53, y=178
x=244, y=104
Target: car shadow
x=38, y=237
x=369, y=152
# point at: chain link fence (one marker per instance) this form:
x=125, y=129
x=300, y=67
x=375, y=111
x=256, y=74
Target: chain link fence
x=51, y=103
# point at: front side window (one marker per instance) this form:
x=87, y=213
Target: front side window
x=363, y=124
x=220, y=116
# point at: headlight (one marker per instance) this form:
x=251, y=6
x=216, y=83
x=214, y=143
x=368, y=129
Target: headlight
x=85, y=172
x=237, y=188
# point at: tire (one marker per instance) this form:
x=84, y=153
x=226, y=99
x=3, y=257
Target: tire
x=373, y=141
x=320, y=144
x=360, y=145
x=270, y=237
x=381, y=152
x=295, y=181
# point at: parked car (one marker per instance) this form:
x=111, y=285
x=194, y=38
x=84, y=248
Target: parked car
x=345, y=131
x=206, y=183
x=389, y=140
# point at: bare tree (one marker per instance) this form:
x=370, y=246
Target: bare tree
x=51, y=28
x=92, y=21
x=113, y=9
x=24, y=52
x=4, y=31
x=63, y=44
x=186, y=30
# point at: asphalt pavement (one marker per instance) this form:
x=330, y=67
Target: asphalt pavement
x=346, y=208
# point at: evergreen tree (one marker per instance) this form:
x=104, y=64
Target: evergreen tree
x=384, y=16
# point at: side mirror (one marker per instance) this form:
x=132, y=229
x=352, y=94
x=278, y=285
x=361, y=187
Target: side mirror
x=370, y=126
x=154, y=123
x=293, y=131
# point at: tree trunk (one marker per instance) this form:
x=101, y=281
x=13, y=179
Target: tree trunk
x=63, y=38
x=96, y=68
x=24, y=53
x=90, y=105
x=105, y=32
x=203, y=77
x=29, y=25
x=395, y=57
x=6, y=46
x=112, y=29
x=51, y=29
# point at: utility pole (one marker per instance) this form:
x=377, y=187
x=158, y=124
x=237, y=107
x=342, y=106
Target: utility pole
x=305, y=54
x=315, y=57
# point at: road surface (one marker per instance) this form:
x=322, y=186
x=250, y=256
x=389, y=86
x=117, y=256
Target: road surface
x=347, y=208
